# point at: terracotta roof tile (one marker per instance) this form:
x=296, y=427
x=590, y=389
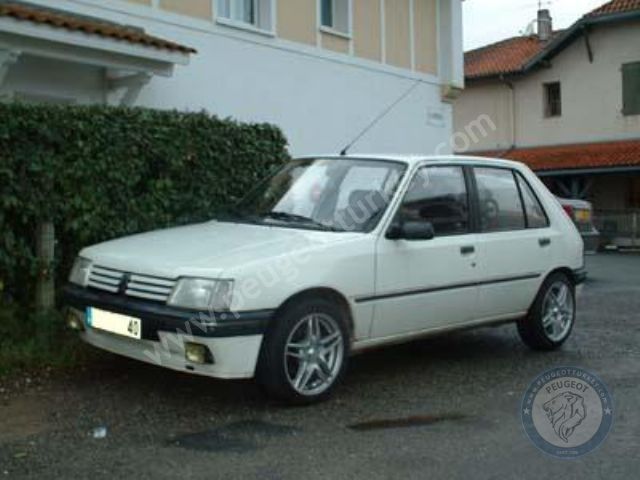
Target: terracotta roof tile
x=578, y=156
x=92, y=26
x=615, y=6
x=506, y=57
x=510, y=56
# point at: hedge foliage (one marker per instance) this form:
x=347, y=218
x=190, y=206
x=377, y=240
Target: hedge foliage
x=103, y=172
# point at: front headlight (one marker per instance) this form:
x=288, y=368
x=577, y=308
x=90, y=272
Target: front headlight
x=80, y=272
x=202, y=294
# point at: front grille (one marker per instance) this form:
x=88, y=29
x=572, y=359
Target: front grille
x=132, y=284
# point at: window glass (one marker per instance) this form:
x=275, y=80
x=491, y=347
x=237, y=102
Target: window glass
x=339, y=194
x=252, y=12
x=335, y=14
x=437, y=195
x=536, y=217
x=306, y=185
x=553, y=99
x=499, y=199
x=244, y=11
x=364, y=194
x=327, y=13
x=362, y=178
x=631, y=88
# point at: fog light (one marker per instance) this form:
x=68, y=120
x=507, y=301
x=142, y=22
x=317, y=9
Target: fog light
x=197, y=353
x=75, y=320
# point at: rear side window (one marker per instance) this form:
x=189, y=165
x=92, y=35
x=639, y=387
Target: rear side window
x=536, y=216
x=499, y=200
x=437, y=195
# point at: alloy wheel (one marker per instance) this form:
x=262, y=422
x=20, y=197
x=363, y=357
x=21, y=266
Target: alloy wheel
x=558, y=311
x=314, y=353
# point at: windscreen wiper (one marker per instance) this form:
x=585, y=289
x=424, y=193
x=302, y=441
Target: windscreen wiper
x=235, y=213
x=292, y=217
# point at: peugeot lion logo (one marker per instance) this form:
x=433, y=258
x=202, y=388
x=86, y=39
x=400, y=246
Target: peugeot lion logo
x=122, y=287
x=567, y=412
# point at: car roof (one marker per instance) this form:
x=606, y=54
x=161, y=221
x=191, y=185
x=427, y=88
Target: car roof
x=414, y=159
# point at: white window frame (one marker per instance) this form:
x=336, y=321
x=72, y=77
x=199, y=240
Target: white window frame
x=341, y=17
x=233, y=13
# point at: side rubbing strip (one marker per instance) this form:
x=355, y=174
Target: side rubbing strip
x=455, y=286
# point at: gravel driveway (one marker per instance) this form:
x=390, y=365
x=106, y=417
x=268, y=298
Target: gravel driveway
x=438, y=408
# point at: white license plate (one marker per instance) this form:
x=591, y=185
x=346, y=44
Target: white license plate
x=114, y=323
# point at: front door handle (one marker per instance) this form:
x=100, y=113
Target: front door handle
x=544, y=242
x=467, y=250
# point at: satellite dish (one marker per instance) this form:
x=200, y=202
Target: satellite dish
x=529, y=29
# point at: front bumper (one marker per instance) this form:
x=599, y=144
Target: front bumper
x=234, y=340
x=157, y=317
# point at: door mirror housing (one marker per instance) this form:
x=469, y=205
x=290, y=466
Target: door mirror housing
x=411, y=231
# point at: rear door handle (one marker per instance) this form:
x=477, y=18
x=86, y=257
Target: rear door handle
x=544, y=242
x=467, y=250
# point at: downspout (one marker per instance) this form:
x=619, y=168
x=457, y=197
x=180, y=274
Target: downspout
x=587, y=42
x=509, y=84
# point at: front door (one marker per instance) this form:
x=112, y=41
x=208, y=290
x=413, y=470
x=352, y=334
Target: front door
x=426, y=284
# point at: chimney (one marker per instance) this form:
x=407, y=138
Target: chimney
x=545, y=25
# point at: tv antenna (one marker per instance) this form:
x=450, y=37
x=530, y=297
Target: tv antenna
x=384, y=113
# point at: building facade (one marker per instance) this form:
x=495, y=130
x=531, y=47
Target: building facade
x=320, y=69
x=568, y=104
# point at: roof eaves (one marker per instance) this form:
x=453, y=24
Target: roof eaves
x=564, y=39
x=507, y=74
x=64, y=20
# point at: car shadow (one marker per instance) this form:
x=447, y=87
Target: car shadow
x=464, y=347
x=140, y=381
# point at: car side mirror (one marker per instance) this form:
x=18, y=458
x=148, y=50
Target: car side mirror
x=411, y=231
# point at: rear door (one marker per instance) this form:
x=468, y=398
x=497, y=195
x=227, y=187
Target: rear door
x=514, y=242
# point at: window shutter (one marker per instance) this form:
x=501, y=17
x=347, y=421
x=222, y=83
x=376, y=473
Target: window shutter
x=631, y=88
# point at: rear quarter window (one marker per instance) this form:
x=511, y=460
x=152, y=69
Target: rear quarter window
x=536, y=216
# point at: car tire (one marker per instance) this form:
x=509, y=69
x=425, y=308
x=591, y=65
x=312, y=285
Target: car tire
x=551, y=317
x=311, y=335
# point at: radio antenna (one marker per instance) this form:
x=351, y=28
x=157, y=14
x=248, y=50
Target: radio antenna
x=384, y=113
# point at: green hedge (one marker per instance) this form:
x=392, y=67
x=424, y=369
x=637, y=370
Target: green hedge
x=103, y=172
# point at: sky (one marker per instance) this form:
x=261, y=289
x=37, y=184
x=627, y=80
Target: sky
x=487, y=21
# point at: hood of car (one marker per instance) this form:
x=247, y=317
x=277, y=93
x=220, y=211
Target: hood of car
x=206, y=249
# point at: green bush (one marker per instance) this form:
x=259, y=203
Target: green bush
x=36, y=341
x=102, y=172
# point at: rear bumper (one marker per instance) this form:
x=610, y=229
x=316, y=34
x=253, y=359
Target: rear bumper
x=591, y=240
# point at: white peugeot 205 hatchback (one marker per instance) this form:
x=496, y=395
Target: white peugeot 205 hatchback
x=331, y=256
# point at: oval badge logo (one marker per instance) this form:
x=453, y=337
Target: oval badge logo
x=567, y=412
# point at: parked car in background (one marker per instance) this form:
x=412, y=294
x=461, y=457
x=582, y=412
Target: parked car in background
x=331, y=256
x=581, y=212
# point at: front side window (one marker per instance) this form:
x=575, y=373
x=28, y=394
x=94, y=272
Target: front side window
x=536, y=216
x=324, y=194
x=552, y=100
x=499, y=200
x=437, y=195
x=334, y=14
x=631, y=88
x=256, y=13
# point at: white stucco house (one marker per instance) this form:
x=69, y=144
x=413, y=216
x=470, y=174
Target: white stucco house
x=320, y=69
x=567, y=103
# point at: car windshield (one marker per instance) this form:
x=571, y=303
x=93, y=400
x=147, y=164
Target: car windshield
x=344, y=195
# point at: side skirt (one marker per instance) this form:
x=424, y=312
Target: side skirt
x=374, y=343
